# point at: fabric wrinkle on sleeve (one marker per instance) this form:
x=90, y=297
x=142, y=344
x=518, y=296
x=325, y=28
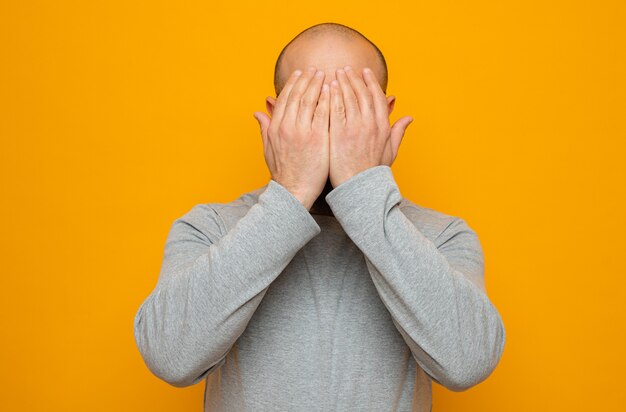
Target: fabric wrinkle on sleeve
x=211, y=283
x=436, y=296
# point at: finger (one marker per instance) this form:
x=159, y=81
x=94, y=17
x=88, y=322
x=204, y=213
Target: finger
x=293, y=101
x=321, y=115
x=308, y=101
x=349, y=98
x=264, y=123
x=337, y=109
x=397, y=132
x=378, y=96
x=279, y=107
x=362, y=92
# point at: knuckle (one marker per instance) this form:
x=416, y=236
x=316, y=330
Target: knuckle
x=295, y=98
x=306, y=101
x=294, y=94
x=283, y=129
x=271, y=131
x=339, y=109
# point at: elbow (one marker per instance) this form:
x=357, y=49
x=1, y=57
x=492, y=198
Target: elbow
x=462, y=381
x=164, y=357
x=174, y=376
x=152, y=350
x=181, y=380
x=181, y=377
x=157, y=354
x=478, y=367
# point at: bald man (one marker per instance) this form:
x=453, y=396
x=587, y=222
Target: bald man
x=325, y=289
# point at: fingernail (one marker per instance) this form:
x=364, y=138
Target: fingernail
x=346, y=68
x=334, y=83
x=366, y=70
x=297, y=73
x=325, y=88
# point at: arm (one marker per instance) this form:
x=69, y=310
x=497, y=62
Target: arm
x=210, y=285
x=435, y=294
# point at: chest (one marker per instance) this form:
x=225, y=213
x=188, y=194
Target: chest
x=325, y=294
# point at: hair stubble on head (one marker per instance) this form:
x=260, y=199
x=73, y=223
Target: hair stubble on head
x=325, y=28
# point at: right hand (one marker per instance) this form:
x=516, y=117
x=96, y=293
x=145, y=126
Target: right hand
x=296, y=139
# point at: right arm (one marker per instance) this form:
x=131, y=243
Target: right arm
x=210, y=285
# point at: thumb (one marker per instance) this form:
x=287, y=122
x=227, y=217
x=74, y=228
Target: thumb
x=397, y=132
x=264, y=122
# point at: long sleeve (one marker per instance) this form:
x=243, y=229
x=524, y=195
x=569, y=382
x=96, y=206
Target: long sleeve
x=435, y=294
x=211, y=283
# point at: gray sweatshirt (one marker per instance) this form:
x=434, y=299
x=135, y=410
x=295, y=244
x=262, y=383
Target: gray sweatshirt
x=278, y=309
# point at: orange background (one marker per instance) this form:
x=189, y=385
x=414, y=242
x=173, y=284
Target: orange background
x=117, y=117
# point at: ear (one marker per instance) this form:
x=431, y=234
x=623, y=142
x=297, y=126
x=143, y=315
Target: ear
x=391, y=101
x=269, y=104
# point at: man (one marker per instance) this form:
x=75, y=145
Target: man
x=325, y=289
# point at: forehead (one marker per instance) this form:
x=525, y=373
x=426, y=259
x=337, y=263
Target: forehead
x=328, y=53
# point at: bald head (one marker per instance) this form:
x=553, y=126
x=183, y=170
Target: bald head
x=329, y=46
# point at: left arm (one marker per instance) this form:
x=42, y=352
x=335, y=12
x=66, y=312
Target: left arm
x=435, y=294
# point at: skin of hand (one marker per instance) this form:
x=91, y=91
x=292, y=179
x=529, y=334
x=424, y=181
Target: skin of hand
x=360, y=132
x=296, y=137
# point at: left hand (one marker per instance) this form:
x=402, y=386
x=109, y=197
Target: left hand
x=360, y=133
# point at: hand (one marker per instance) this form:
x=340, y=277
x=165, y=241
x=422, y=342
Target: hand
x=296, y=138
x=360, y=134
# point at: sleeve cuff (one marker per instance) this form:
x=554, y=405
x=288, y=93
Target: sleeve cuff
x=365, y=198
x=288, y=211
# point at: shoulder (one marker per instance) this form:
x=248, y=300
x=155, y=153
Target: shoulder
x=216, y=218
x=453, y=237
x=438, y=226
x=434, y=224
